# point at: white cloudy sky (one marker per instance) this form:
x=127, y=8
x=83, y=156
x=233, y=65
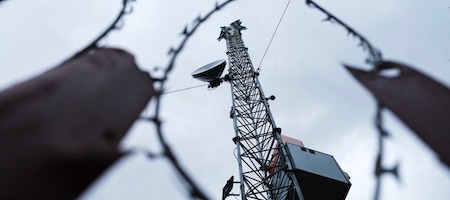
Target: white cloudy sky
x=317, y=101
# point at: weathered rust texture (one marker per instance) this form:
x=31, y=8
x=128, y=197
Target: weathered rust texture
x=421, y=102
x=60, y=130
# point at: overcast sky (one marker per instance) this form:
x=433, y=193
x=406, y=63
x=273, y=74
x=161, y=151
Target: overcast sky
x=318, y=101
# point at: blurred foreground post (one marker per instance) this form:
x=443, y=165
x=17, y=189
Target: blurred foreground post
x=421, y=102
x=59, y=131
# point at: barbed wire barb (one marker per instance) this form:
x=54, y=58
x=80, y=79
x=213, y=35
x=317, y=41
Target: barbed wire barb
x=375, y=57
x=379, y=168
x=116, y=25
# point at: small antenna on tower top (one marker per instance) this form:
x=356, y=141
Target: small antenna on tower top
x=234, y=27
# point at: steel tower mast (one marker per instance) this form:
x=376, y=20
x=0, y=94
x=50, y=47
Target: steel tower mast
x=265, y=165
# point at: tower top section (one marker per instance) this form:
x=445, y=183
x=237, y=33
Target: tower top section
x=233, y=29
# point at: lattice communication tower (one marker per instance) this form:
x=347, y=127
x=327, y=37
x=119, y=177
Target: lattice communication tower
x=269, y=164
x=264, y=164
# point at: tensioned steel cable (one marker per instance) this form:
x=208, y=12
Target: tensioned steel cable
x=183, y=89
x=273, y=35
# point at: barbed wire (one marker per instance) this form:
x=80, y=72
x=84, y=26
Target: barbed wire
x=195, y=191
x=116, y=25
x=379, y=169
x=375, y=59
x=187, y=33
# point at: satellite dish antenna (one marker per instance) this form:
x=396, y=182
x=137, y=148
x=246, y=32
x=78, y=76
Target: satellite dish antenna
x=211, y=73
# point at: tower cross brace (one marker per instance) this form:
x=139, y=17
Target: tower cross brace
x=265, y=165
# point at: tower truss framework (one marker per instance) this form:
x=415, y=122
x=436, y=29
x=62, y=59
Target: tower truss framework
x=265, y=166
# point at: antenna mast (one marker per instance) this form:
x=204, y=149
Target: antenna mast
x=265, y=166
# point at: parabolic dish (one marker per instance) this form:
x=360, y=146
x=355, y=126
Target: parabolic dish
x=210, y=72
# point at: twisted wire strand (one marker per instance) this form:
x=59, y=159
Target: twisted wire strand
x=187, y=33
x=378, y=162
x=379, y=168
x=374, y=58
x=126, y=9
x=116, y=25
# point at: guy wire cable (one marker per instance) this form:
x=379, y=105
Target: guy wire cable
x=183, y=89
x=273, y=35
